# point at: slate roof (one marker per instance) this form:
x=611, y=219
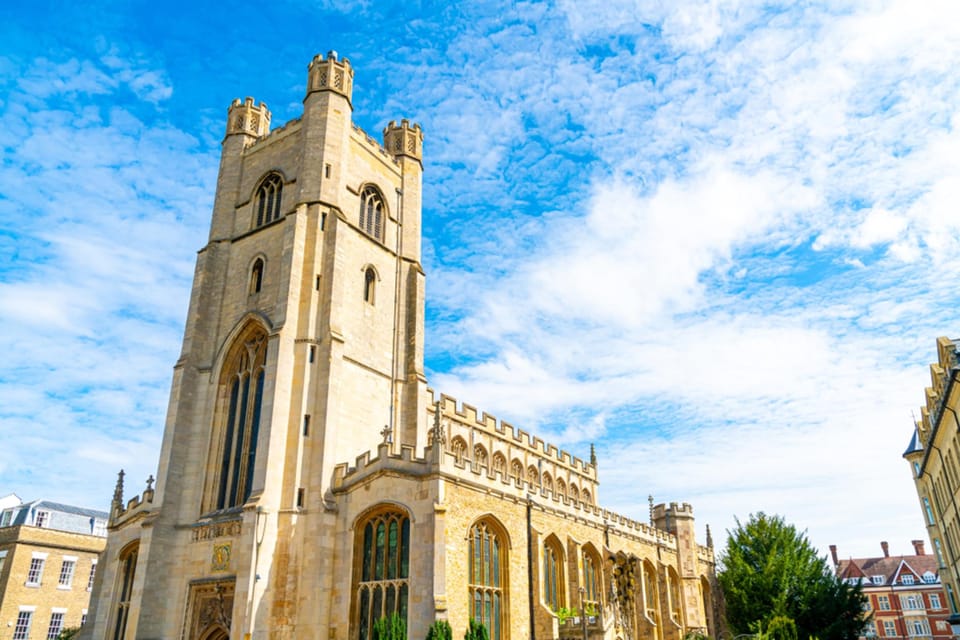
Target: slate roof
x=888, y=567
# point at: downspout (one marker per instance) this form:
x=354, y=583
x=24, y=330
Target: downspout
x=530, y=594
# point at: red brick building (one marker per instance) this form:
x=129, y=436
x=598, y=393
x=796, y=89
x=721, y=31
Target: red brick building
x=906, y=597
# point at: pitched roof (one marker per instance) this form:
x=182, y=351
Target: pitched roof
x=915, y=444
x=888, y=567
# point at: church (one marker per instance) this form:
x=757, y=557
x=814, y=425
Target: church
x=310, y=483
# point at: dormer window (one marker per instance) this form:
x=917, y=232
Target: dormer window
x=906, y=578
x=876, y=579
x=267, y=201
x=372, y=212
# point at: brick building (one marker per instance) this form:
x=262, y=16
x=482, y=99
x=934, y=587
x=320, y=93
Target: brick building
x=904, y=592
x=48, y=560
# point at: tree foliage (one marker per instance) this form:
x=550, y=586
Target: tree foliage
x=392, y=628
x=771, y=571
x=440, y=630
x=476, y=631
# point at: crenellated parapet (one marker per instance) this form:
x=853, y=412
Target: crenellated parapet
x=373, y=145
x=403, y=139
x=940, y=374
x=137, y=506
x=330, y=73
x=247, y=118
x=406, y=462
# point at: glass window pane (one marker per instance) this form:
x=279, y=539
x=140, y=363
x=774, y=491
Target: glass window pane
x=392, y=550
x=381, y=543
x=405, y=548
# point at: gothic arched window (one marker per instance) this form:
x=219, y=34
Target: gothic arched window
x=381, y=581
x=574, y=493
x=488, y=577
x=238, y=419
x=553, y=582
x=267, y=201
x=547, y=482
x=532, y=476
x=516, y=470
x=369, y=285
x=256, y=276
x=125, y=575
x=585, y=494
x=480, y=456
x=561, y=488
x=591, y=576
x=499, y=463
x=372, y=210
x=650, y=595
x=459, y=447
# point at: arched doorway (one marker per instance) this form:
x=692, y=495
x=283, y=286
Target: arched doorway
x=215, y=632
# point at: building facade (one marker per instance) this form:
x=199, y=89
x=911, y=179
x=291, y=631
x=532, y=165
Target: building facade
x=934, y=457
x=905, y=596
x=48, y=560
x=310, y=483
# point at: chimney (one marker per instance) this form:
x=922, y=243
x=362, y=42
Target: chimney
x=833, y=552
x=918, y=547
x=886, y=549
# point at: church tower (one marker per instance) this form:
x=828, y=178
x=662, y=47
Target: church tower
x=310, y=486
x=303, y=347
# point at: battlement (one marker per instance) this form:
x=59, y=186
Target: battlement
x=404, y=139
x=468, y=416
x=363, y=467
x=374, y=145
x=136, y=506
x=330, y=73
x=247, y=118
x=940, y=372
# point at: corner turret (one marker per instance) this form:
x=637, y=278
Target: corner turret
x=330, y=74
x=404, y=140
x=248, y=119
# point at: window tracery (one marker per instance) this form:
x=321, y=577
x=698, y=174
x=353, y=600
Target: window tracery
x=553, y=580
x=480, y=455
x=459, y=448
x=499, y=463
x=372, y=211
x=125, y=575
x=381, y=580
x=487, y=588
x=268, y=198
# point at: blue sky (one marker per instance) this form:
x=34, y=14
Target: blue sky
x=717, y=238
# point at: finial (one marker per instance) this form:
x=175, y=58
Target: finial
x=709, y=538
x=150, y=482
x=593, y=455
x=439, y=438
x=387, y=434
x=118, y=490
x=650, y=501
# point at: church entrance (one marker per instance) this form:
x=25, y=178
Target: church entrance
x=215, y=633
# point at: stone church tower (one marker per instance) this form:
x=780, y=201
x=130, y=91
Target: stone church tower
x=309, y=484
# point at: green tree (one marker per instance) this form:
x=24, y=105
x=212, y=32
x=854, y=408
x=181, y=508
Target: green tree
x=770, y=570
x=392, y=628
x=440, y=630
x=68, y=634
x=476, y=631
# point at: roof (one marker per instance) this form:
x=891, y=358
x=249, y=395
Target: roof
x=888, y=567
x=915, y=444
x=66, y=508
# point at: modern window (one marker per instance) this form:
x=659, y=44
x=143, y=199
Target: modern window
x=488, y=595
x=22, y=629
x=911, y=601
x=906, y=578
x=918, y=627
x=35, y=572
x=372, y=212
x=238, y=419
x=56, y=624
x=869, y=630
x=256, y=276
x=3, y=561
x=41, y=519
x=125, y=576
x=100, y=528
x=369, y=285
x=929, y=577
x=267, y=201
x=889, y=628
x=929, y=511
x=938, y=548
x=554, y=595
x=876, y=579
x=935, y=601
x=381, y=580
x=883, y=603
x=93, y=574
x=67, y=568
x=5, y=518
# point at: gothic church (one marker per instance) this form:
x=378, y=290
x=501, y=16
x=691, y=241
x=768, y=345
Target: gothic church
x=310, y=482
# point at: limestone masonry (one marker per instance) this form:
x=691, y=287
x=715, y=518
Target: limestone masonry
x=310, y=483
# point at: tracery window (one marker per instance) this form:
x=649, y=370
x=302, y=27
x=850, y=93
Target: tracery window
x=516, y=470
x=372, y=212
x=480, y=455
x=238, y=420
x=125, y=576
x=585, y=494
x=459, y=448
x=673, y=582
x=574, y=493
x=650, y=596
x=547, y=482
x=591, y=577
x=499, y=463
x=381, y=581
x=532, y=476
x=561, y=488
x=267, y=202
x=488, y=577
x=553, y=582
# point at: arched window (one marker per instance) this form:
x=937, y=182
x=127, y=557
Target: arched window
x=238, y=418
x=532, y=476
x=591, y=577
x=369, y=285
x=516, y=470
x=585, y=494
x=459, y=448
x=256, y=276
x=553, y=581
x=267, y=202
x=480, y=455
x=488, y=577
x=381, y=579
x=574, y=493
x=372, y=212
x=547, y=482
x=676, y=605
x=650, y=595
x=499, y=463
x=125, y=575
x=561, y=488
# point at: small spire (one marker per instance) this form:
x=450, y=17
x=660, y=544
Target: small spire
x=118, y=490
x=650, y=501
x=709, y=537
x=593, y=455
